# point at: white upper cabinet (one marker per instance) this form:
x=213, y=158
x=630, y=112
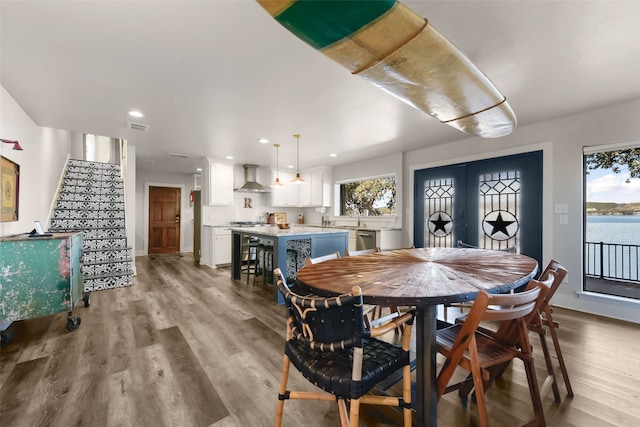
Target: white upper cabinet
x=321, y=184
x=316, y=191
x=287, y=195
x=217, y=182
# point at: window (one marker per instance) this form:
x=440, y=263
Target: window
x=612, y=220
x=368, y=197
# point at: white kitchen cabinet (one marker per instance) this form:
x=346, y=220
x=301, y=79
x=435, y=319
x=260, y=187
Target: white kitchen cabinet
x=218, y=182
x=321, y=180
x=304, y=190
x=316, y=191
x=281, y=195
x=352, y=244
x=389, y=239
x=221, y=246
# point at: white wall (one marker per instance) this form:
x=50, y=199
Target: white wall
x=379, y=166
x=562, y=141
x=41, y=163
x=45, y=152
x=131, y=209
x=145, y=179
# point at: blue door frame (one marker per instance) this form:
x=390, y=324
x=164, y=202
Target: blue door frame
x=448, y=200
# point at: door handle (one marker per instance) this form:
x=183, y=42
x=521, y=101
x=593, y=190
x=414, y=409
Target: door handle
x=177, y=218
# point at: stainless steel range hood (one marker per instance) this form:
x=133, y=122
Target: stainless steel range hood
x=251, y=184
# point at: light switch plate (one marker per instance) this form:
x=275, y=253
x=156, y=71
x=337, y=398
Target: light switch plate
x=561, y=208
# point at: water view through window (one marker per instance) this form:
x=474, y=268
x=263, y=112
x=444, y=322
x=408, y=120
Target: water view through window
x=612, y=222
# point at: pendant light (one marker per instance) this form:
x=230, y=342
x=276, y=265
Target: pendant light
x=277, y=182
x=298, y=179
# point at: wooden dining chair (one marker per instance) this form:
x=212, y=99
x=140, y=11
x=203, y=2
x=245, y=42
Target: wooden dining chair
x=361, y=252
x=543, y=322
x=323, y=258
x=328, y=343
x=463, y=345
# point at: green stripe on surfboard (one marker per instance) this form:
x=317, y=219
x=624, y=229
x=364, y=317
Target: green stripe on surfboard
x=322, y=23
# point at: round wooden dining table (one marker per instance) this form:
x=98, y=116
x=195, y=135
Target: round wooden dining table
x=423, y=278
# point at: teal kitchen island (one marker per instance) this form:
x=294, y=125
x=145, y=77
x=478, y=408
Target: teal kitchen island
x=291, y=247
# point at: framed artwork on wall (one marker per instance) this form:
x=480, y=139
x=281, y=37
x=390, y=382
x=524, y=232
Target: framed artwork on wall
x=280, y=217
x=10, y=173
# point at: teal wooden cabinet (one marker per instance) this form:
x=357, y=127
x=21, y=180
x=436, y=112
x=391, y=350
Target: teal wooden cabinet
x=40, y=276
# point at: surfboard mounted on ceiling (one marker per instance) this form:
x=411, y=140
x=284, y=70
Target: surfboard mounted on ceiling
x=397, y=50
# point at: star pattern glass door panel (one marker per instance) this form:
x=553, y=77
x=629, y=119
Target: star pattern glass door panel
x=490, y=204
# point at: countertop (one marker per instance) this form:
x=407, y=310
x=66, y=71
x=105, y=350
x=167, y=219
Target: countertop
x=293, y=230
x=354, y=228
x=327, y=228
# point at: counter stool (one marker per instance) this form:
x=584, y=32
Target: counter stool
x=249, y=257
x=266, y=252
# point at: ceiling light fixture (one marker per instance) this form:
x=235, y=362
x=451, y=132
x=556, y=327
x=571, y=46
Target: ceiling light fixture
x=277, y=182
x=134, y=113
x=263, y=140
x=16, y=144
x=298, y=179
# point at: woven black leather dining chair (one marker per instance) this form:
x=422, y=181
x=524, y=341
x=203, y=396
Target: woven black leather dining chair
x=328, y=343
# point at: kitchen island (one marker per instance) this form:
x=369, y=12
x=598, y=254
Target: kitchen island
x=291, y=247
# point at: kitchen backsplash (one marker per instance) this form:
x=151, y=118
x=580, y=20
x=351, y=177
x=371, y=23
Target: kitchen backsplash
x=246, y=207
x=259, y=204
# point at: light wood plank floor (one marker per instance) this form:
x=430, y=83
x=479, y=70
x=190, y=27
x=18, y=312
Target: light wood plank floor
x=187, y=346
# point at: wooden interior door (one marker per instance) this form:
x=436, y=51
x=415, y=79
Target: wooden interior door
x=164, y=220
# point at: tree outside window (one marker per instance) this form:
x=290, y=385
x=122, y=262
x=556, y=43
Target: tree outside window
x=370, y=197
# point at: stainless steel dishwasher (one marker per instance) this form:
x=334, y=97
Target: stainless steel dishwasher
x=365, y=239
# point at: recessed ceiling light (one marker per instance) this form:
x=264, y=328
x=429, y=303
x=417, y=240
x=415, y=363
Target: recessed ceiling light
x=198, y=169
x=229, y=157
x=333, y=155
x=290, y=166
x=134, y=113
x=263, y=140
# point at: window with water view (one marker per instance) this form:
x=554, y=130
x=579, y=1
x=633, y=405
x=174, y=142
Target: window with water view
x=612, y=221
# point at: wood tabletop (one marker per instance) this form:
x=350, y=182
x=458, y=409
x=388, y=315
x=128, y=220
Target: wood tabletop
x=423, y=276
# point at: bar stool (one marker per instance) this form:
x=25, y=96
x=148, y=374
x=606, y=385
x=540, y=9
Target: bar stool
x=266, y=252
x=250, y=246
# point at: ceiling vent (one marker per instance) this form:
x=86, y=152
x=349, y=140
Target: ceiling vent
x=138, y=127
x=180, y=155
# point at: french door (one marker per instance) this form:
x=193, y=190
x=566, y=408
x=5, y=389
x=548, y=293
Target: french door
x=492, y=204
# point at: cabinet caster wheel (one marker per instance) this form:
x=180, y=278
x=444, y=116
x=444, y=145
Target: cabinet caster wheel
x=87, y=299
x=73, y=323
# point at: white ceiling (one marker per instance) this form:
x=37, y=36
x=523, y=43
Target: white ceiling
x=212, y=77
